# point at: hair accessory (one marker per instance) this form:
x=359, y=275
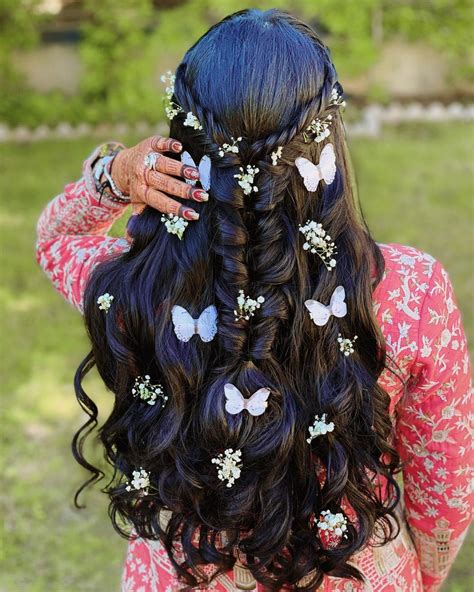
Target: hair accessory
x=171, y=109
x=192, y=121
x=319, y=128
x=185, y=326
x=276, y=155
x=319, y=428
x=140, y=481
x=313, y=173
x=346, y=345
x=230, y=147
x=204, y=169
x=230, y=467
x=320, y=313
x=247, y=306
x=246, y=179
x=335, y=523
x=105, y=301
x=146, y=391
x=336, y=98
x=319, y=243
x=175, y=224
x=255, y=405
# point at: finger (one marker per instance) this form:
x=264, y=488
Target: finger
x=174, y=186
x=167, y=205
x=169, y=166
x=159, y=143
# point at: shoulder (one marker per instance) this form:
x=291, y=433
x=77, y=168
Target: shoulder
x=414, y=284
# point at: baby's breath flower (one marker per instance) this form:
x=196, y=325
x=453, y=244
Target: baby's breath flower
x=175, y=224
x=319, y=428
x=336, y=98
x=319, y=243
x=148, y=392
x=335, y=523
x=247, y=306
x=192, y=121
x=276, y=155
x=319, y=128
x=171, y=108
x=245, y=179
x=229, y=465
x=346, y=345
x=105, y=301
x=230, y=147
x=140, y=481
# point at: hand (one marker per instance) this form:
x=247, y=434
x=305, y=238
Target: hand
x=150, y=187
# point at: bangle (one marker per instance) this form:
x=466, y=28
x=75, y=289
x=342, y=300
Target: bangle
x=108, y=186
x=119, y=195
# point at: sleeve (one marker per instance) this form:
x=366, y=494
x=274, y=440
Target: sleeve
x=433, y=434
x=72, y=232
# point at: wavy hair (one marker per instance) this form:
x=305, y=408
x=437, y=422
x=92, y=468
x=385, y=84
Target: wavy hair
x=263, y=76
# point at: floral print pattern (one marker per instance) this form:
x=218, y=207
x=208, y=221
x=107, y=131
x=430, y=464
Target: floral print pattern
x=430, y=400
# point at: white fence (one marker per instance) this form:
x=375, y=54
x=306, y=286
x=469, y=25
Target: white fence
x=370, y=124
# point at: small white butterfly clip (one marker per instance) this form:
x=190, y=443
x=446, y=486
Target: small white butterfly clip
x=313, y=173
x=204, y=169
x=185, y=326
x=320, y=313
x=255, y=405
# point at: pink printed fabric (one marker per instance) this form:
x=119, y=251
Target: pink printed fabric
x=418, y=313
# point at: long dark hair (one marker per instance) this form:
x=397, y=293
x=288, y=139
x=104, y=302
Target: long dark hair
x=262, y=76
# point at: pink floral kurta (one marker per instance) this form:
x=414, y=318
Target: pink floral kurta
x=417, y=311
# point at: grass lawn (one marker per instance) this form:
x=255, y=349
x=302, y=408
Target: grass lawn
x=416, y=187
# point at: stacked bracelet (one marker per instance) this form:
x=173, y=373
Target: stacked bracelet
x=108, y=187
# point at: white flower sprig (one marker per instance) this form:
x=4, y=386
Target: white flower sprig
x=276, y=155
x=105, y=301
x=230, y=147
x=229, y=464
x=346, y=345
x=192, y=121
x=319, y=127
x=319, y=243
x=246, y=179
x=247, y=306
x=175, y=224
x=148, y=392
x=319, y=428
x=140, y=481
x=336, y=98
x=335, y=523
x=171, y=109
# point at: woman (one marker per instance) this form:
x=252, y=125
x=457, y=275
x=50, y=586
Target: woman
x=273, y=367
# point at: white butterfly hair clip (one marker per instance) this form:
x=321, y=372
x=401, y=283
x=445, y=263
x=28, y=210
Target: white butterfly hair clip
x=314, y=173
x=204, y=169
x=321, y=313
x=185, y=326
x=236, y=402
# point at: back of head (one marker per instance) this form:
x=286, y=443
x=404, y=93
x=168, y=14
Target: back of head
x=257, y=80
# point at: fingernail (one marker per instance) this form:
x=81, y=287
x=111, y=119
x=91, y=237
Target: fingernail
x=190, y=214
x=200, y=195
x=192, y=173
x=176, y=146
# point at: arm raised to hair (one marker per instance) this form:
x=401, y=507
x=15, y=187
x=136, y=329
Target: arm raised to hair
x=72, y=232
x=434, y=434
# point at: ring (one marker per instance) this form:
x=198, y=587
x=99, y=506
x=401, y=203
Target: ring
x=150, y=160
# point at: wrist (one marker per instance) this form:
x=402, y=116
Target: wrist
x=117, y=171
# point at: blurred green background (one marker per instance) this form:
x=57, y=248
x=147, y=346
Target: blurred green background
x=415, y=183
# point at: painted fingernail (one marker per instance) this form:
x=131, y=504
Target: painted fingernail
x=190, y=214
x=191, y=173
x=176, y=146
x=200, y=195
